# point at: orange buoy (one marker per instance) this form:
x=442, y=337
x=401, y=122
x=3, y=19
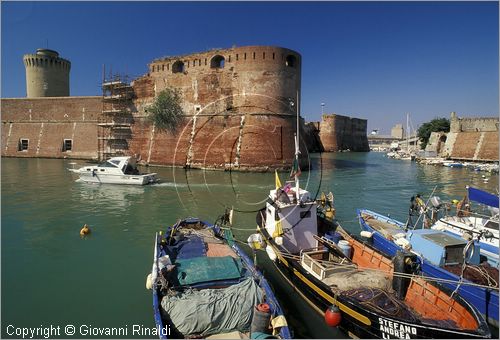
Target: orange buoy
x=333, y=316
x=85, y=230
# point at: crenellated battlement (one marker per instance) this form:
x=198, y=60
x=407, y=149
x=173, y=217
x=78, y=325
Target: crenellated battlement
x=221, y=58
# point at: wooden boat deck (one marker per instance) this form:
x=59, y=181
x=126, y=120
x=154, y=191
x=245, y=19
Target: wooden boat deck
x=388, y=230
x=215, y=246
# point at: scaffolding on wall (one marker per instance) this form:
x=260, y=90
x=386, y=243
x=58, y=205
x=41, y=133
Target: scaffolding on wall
x=114, y=126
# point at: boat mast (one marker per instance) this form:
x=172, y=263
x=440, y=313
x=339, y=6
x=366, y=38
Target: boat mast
x=407, y=131
x=297, y=151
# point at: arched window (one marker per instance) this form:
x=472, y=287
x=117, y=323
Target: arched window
x=290, y=60
x=217, y=62
x=178, y=67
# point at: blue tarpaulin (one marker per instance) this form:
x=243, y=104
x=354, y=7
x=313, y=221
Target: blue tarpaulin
x=188, y=247
x=483, y=197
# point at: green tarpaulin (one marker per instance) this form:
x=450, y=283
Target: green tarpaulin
x=204, y=269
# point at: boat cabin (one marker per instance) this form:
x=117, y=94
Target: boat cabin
x=127, y=165
x=442, y=248
x=293, y=220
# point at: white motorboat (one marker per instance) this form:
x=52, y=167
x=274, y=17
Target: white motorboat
x=473, y=224
x=116, y=170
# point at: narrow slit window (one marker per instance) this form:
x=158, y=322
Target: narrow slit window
x=290, y=61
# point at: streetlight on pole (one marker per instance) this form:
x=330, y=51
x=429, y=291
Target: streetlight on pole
x=322, y=108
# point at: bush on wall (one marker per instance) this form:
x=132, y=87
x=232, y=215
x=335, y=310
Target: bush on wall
x=166, y=111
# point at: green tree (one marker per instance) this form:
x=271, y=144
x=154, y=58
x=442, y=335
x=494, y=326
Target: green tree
x=435, y=125
x=166, y=111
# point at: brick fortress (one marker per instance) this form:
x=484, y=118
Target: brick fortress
x=240, y=108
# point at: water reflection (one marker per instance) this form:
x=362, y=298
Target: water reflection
x=114, y=198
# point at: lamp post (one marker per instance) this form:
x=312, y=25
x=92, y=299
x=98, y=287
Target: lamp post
x=322, y=108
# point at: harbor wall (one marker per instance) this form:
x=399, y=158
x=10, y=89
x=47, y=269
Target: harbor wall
x=469, y=139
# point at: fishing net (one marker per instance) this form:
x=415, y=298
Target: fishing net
x=483, y=274
x=385, y=303
x=382, y=302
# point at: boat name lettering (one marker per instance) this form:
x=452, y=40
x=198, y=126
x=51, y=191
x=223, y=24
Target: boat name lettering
x=394, y=329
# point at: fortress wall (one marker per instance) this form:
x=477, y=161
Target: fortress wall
x=478, y=124
x=46, y=122
x=242, y=106
x=341, y=133
x=217, y=142
x=358, y=137
x=250, y=81
x=480, y=146
x=465, y=145
x=472, y=139
x=328, y=132
x=488, y=150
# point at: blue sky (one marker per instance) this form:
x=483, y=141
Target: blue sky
x=372, y=60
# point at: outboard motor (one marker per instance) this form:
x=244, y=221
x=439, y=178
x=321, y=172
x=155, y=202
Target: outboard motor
x=436, y=202
x=404, y=263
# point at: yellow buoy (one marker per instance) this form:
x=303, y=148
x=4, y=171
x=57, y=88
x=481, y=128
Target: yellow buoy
x=85, y=230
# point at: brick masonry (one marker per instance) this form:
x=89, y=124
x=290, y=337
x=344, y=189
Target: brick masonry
x=46, y=122
x=240, y=108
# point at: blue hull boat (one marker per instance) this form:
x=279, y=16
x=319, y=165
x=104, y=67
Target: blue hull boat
x=480, y=223
x=439, y=252
x=205, y=286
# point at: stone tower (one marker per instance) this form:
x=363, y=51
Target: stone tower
x=47, y=75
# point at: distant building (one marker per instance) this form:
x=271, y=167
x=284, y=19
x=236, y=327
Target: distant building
x=397, y=131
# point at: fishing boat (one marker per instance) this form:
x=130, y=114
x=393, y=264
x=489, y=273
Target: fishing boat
x=356, y=287
x=116, y=170
x=480, y=225
x=205, y=286
x=441, y=255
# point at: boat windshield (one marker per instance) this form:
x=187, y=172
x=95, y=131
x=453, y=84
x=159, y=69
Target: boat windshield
x=491, y=225
x=108, y=164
